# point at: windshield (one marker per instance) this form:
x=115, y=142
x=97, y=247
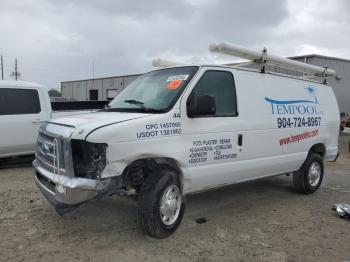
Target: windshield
x=156, y=91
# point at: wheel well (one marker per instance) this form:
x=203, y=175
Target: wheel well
x=137, y=171
x=319, y=149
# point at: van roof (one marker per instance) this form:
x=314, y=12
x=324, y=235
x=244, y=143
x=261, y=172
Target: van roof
x=237, y=67
x=21, y=84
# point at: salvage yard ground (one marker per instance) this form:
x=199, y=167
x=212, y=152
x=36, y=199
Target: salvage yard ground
x=258, y=221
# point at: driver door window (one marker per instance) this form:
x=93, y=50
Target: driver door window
x=219, y=85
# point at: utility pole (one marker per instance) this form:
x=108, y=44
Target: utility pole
x=93, y=73
x=16, y=74
x=2, y=68
x=93, y=68
x=16, y=68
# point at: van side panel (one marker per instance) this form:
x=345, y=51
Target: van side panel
x=306, y=113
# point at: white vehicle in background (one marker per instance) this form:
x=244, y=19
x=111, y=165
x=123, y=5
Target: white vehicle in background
x=185, y=129
x=24, y=106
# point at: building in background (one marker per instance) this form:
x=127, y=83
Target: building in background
x=95, y=89
x=108, y=88
x=340, y=83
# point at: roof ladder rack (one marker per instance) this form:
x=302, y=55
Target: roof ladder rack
x=263, y=59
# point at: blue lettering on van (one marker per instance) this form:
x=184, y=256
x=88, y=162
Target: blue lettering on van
x=292, y=107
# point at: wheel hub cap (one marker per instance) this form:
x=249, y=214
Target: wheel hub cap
x=170, y=205
x=314, y=173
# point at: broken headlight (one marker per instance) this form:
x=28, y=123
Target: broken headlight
x=89, y=159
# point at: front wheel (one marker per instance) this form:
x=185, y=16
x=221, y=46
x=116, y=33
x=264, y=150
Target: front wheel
x=160, y=204
x=309, y=178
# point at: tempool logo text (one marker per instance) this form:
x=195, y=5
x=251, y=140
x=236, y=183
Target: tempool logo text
x=293, y=107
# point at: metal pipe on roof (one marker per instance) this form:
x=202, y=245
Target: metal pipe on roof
x=256, y=56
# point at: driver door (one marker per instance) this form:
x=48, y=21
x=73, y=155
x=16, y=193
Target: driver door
x=214, y=141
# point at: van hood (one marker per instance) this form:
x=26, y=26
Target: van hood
x=87, y=122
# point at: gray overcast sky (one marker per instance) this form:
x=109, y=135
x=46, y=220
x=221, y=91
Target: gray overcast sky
x=57, y=41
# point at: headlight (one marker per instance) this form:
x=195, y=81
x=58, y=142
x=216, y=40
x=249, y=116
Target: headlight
x=89, y=159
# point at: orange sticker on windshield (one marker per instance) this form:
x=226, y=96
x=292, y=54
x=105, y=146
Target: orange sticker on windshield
x=174, y=84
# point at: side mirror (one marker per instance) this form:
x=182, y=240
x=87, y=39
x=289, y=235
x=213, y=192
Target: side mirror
x=201, y=106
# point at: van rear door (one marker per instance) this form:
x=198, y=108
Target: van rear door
x=21, y=112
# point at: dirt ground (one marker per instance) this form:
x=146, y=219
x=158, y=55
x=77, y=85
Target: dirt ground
x=258, y=221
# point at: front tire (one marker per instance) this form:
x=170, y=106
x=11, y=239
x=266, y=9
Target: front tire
x=160, y=204
x=309, y=177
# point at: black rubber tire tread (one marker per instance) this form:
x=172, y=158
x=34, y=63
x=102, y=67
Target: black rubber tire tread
x=300, y=177
x=148, y=203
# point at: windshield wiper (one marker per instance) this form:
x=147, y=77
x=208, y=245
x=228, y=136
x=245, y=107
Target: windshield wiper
x=134, y=102
x=142, y=107
x=141, y=104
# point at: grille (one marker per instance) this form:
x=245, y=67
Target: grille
x=49, y=153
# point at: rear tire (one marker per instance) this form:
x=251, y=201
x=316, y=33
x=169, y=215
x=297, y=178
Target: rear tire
x=161, y=205
x=309, y=177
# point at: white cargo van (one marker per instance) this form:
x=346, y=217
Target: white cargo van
x=186, y=129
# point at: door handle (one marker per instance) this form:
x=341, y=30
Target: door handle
x=240, y=139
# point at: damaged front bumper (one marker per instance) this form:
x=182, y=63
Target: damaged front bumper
x=66, y=193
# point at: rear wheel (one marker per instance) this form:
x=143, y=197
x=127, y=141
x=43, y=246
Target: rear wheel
x=160, y=204
x=309, y=177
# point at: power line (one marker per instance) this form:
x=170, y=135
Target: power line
x=64, y=71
